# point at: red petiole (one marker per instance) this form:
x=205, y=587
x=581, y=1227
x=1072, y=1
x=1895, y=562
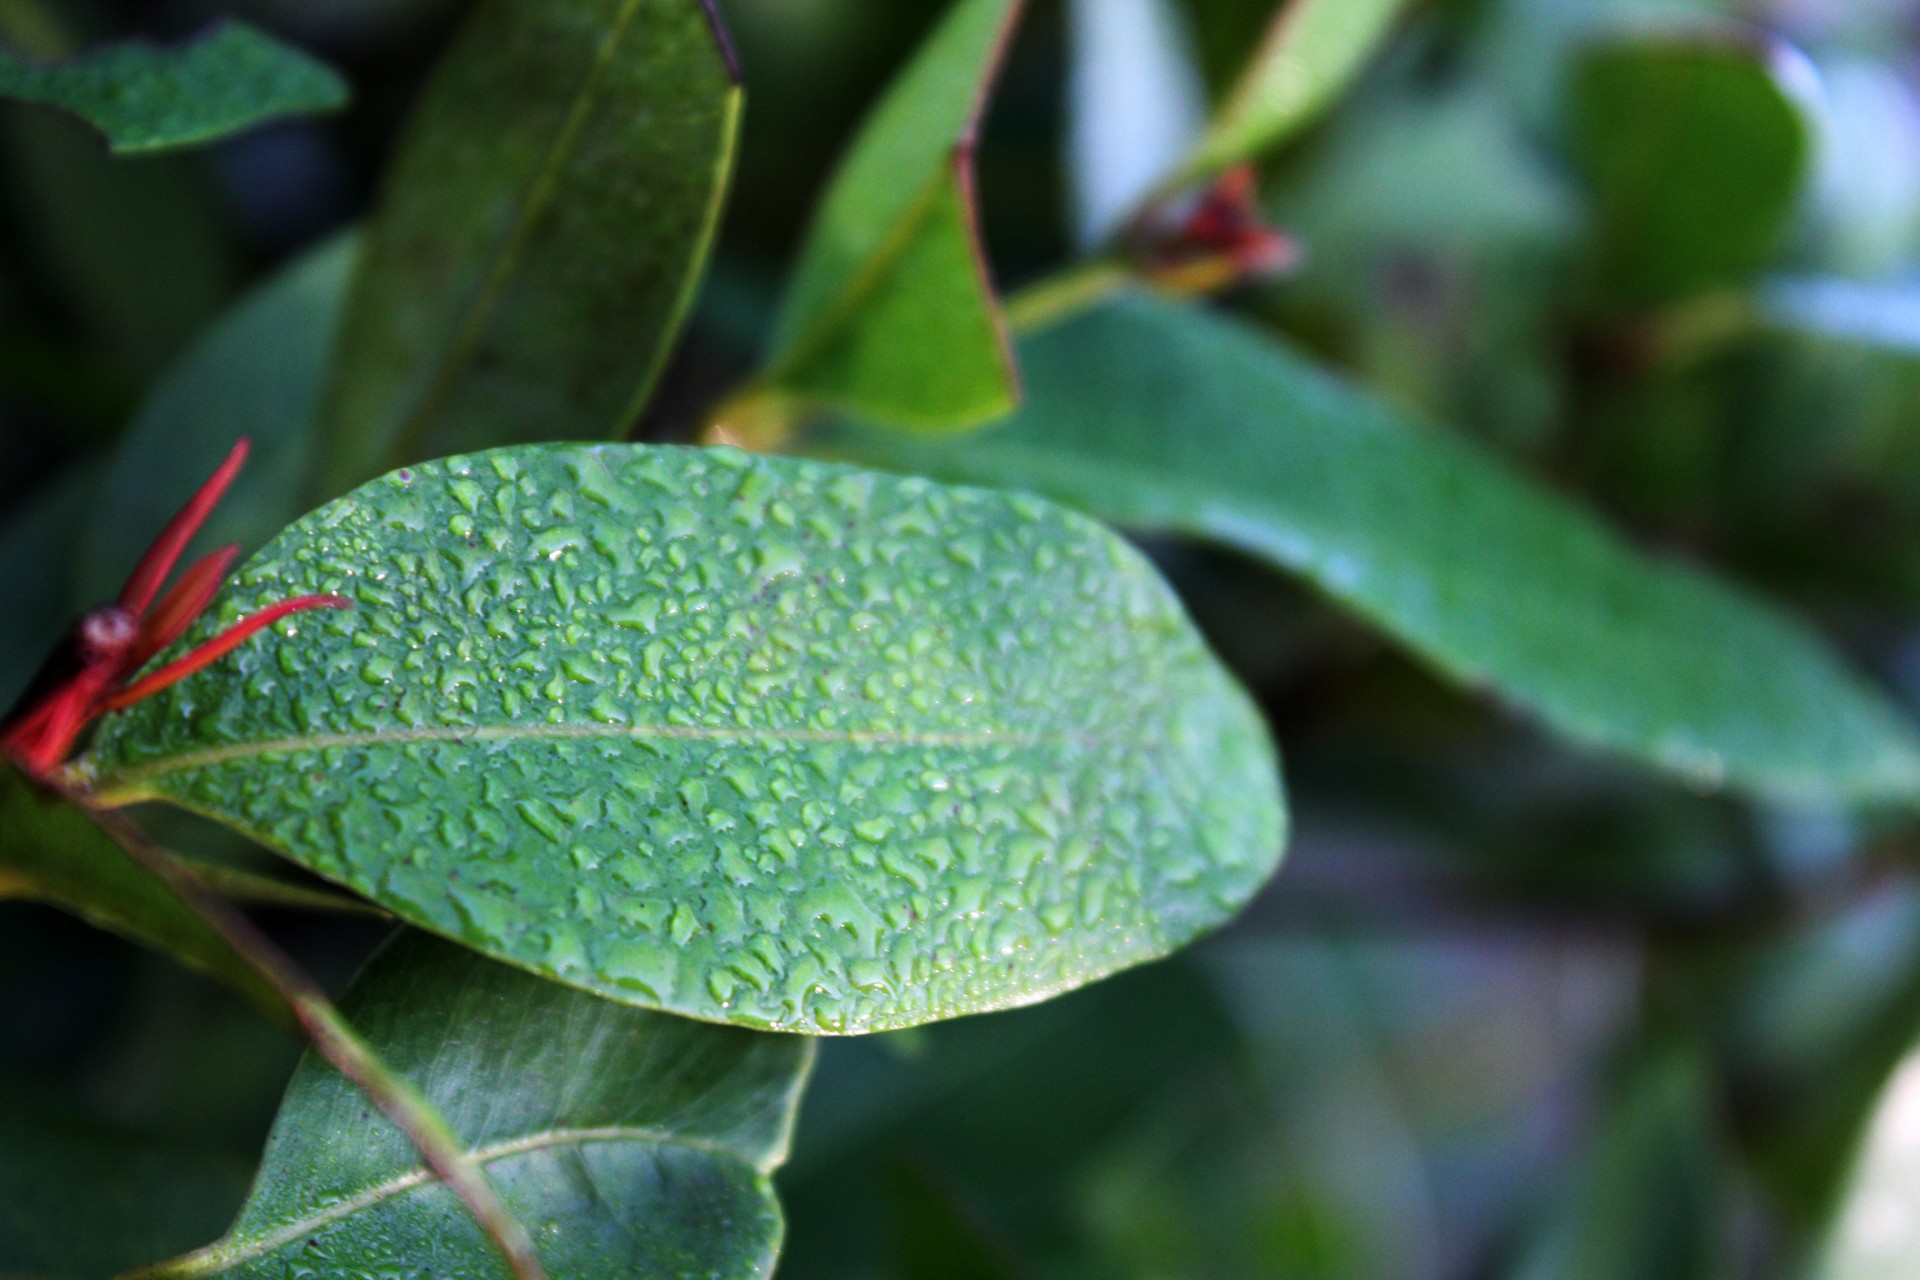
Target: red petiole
x=91, y=671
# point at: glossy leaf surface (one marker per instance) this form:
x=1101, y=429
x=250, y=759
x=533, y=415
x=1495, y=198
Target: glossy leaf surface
x=1695, y=152
x=258, y=373
x=145, y=97
x=1312, y=51
x=542, y=230
x=631, y=1142
x=53, y=852
x=758, y=740
x=891, y=312
x=1164, y=417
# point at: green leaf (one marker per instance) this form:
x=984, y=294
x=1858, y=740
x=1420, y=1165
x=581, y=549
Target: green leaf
x=633, y=1143
x=258, y=373
x=541, y=233
x=1166, y=417
x=758, y=740
x=53, y=852
x=145, y=97
x=1312, y=50
x=81, y=1200
x=1695, y=152
x=891, y=312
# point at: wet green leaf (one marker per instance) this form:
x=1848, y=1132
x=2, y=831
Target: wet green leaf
x=1695, y=152
x=1164, y=417
x=631, y=1143
x=53, y=852
x=81, y=1200
x=891, y=312
x=257, y=373
x=1311, y=51
x=541, y=233
x=146, y=97
x=758, y=740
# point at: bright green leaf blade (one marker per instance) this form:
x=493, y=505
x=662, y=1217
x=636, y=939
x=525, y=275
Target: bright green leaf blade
x=543, y=229
x=757, y=740
x=891, y=312
x=80, y=1200
x=1695, y=152
x=633, y=1143
x=145, y=97
x=1312, y=51
x=52, y=852
x=258, y=373
x=1165, y=417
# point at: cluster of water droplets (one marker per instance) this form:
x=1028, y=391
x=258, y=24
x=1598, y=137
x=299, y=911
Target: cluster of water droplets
x=772, y=741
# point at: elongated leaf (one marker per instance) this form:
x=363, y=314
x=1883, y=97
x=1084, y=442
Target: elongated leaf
x=80, y=1200
x=258, y=373
x=145, y=97
x=51, y=851
x=1695, y=152
x=1312, y=50
x=640, y=1144
x=757, y=740
x=891, y=312
x=1167, y=418
x=541, y=234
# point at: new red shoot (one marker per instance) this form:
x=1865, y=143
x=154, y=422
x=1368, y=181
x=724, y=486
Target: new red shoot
x=92, y=670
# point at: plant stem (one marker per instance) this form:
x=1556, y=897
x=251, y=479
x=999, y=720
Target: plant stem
x=1066, y=294
x=334, y=1039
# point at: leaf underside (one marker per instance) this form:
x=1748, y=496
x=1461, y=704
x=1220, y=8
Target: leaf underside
x=630, y=1143
x=756, y=740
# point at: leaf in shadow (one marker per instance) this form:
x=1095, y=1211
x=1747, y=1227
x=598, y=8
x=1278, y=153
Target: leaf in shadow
x=633, y=1143
x=541, y=232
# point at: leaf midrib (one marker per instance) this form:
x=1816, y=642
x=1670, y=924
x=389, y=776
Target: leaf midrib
x=134, y=784
x=228, y=1253
x=540, y=192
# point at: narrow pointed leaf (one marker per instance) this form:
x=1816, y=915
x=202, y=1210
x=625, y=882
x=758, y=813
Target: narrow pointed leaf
x=757, y=740
x=891, y=312
x=1312, y=50
x=1695, y=150
x=1164, y=417
x=147, y=97
x=637, y=1143
x=542, y=231
x=52, y=852
x=258, y=373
